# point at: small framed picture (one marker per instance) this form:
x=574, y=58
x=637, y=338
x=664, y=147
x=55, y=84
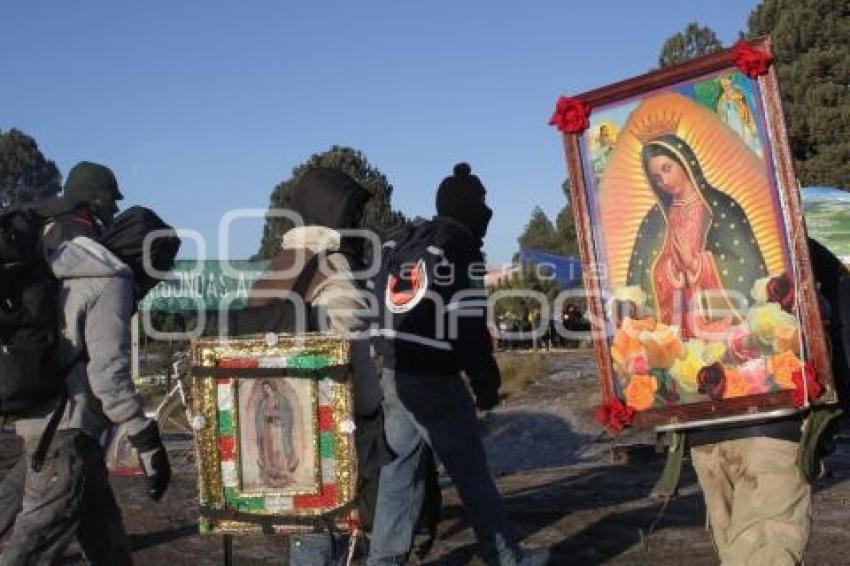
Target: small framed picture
x=703, y=302
x=276, y=424
x=274, y=433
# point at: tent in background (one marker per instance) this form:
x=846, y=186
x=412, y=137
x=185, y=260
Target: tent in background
x=566, y=270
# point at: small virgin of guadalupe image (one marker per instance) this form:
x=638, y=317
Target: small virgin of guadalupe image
x=733, y=109
x=276, y=449
x=274, y=427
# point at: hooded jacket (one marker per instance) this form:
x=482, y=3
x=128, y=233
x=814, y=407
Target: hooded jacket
x=447, y=333
x=96, y=302
x=337, y=294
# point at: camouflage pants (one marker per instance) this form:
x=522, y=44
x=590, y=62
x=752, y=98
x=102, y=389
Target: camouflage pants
x=758, y=503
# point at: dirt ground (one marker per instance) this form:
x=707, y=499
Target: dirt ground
x=558, y=479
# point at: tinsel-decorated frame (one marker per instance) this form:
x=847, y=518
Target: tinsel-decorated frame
x=217, y=367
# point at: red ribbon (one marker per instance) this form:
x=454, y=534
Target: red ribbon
x=571, y=115
x=614, y=415
x=811, y=385
x=750, y=61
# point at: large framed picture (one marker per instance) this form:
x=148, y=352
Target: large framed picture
x=273, y=433
x=703, y=303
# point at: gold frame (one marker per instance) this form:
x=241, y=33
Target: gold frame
x=206, y=353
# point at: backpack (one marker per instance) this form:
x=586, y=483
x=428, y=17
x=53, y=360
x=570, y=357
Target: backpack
x=414, y=273
x=28, y=316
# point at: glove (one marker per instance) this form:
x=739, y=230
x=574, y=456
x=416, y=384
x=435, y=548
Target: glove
x=153, y=459
x=486, y=395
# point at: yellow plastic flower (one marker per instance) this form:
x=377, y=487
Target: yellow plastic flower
x=662, y=345
x=710, y=351
x=697, y=355
x=765, y=319
x=640, y=393
x=759, y=291
x=786, y=337
x=783, y=366
x=631, y=293
x=686, y=368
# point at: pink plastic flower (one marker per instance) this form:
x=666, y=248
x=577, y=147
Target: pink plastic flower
x=638, y=364
x=739, y=345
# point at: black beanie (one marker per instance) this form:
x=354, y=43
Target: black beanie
x=461, y=197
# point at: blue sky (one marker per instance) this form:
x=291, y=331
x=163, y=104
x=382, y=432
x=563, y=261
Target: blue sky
x=202, y=107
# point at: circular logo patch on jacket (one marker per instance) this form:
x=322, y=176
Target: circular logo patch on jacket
x=405, y=290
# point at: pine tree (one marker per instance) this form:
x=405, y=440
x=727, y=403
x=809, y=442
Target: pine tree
x=379, y=217
x=565, y=226
x=25, y=174
x=539, y=234
x=694, y=41
x=811, y=44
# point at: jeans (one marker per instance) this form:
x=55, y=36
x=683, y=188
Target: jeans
x=439, y=411
x=69, y=496
x=318, y=549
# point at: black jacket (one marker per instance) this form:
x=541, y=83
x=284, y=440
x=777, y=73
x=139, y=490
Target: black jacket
x=444, y=331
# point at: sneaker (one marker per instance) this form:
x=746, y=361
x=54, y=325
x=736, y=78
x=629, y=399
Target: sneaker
x=520, y=557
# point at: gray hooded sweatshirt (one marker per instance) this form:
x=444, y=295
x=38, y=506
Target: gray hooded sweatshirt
x=96, y=301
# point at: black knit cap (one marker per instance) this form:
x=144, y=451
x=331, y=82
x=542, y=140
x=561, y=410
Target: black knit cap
x=461, y=196
x=86, y=181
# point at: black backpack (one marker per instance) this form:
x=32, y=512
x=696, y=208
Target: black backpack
x=414, y=289
x=28, y=316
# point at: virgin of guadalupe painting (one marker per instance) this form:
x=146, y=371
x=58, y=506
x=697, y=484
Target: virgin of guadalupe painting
x=276, y=430
x=692, y=231
x=695, y=253
x=274, y=426
x=689, y=218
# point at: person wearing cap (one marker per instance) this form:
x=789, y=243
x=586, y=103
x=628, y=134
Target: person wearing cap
x=67, y=494
x=86, y=207
x=431, y=278
x=95, y=185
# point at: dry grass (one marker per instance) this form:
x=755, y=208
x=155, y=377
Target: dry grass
x=520, y=370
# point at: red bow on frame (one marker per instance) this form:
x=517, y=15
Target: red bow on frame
x=750, y=61
x=811, y=386
x=571, y=115
x=614, y=415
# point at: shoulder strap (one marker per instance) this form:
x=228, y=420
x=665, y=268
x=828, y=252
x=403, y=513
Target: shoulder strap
x=308, y=274
x=53, y=423
x=305, y=278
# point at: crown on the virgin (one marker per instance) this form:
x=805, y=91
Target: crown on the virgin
x=656, y=125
